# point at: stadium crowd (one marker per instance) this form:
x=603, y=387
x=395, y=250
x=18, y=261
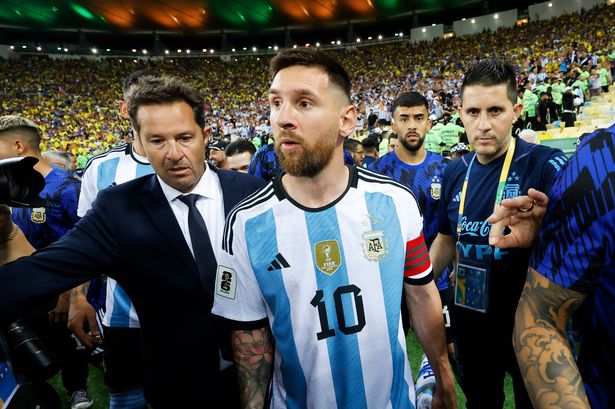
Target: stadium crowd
x=75, y=102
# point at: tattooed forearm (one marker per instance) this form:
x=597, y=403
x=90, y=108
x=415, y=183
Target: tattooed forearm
x=253, y=352
x=545, y=359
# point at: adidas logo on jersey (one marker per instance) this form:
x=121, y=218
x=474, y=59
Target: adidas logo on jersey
x=278, y=263
x=457, y=197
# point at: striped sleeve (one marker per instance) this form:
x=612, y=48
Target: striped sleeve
x=417, y=268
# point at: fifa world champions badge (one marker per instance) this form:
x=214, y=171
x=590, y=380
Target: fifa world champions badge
x=375, y=245
x=328, y=256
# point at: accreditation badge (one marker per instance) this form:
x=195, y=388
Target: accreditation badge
x=472, y=283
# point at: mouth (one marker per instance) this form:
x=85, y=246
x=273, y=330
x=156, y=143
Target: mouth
x=179, y=170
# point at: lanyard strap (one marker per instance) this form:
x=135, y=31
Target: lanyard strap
x=501, y=183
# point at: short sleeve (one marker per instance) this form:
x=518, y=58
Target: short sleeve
x=88, y=191
x=237, y=297
x=576, y=240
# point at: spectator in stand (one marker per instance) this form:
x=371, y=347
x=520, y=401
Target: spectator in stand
x=239, y=154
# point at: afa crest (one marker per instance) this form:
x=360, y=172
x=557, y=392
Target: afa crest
x=375, y=245
x=38, y=215
x=328, y=256
x=436, y=188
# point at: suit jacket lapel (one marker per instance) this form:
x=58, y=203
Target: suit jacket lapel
x=229, y=194
x=156, y=207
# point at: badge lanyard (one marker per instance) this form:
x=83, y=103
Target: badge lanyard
x=472, y=277
x=501, y=184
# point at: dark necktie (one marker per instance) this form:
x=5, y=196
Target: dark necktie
x=201, y=244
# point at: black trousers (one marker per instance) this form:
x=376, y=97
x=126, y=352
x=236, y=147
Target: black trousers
x=68, y=350
x=485, y=354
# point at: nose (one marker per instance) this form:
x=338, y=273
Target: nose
x=174, y=152
x=484, y=124
x=284, y=116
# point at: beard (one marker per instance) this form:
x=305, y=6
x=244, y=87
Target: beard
x=308, y=161
x=412, y=147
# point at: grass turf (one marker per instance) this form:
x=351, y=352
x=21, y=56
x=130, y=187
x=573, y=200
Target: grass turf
x=97, y=389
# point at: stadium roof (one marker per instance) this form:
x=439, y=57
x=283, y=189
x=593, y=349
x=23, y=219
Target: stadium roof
x=111, y=20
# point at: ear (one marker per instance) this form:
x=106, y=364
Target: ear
x=20, y=147
x=206, y=134
x=517, y=109
x=124, y=109
x=348, y=120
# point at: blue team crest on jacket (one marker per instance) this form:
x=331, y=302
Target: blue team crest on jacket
x=436, y=188
x=328, y=256
x=38, y=215
x=512, y=188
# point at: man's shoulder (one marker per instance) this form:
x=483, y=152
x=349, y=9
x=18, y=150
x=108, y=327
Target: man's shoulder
x=119, y=151
x=238, y=179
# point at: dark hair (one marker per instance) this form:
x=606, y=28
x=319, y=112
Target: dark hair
x=132, y=79
x=492, y=72
x=369, y=145
x=18, y=127
x=240, y=146
x=309, y=57
x=409, y=100
x=351, y=145
x=162, y=91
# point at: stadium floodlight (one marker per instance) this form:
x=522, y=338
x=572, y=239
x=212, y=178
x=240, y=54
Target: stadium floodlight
x=94, y=51
x=358, y=40
x=380, y=37
x=254, y=49
x=433, y=24
x=338, y=42
x=135, y=61
x=24, y=46
x=401, y=34
x=134, y=50
x=424, y=29
x=245, y=48
x=166, y=51
x=66, y=50
x=473, y=21
x=144, y=51
x=39, y=48
x=269, y=48
x=463, y=19
x=13, y=47
x=179, y=50
x=188, y=51
x=233, y=50
x=211, y=51
x=496, y=16
x=204, y=50
x=108, y=49
x=550, y=4
x=59, y=48
x=317, y=44
x=275, y=48
x=332, y=42
x=369, y=38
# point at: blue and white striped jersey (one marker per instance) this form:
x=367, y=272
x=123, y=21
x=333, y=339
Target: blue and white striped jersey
x=111, y=168
x=329, y=282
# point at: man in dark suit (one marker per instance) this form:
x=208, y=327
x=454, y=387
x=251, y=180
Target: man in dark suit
x=147, y=227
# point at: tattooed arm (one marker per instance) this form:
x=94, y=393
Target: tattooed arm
x=253, y=353
x=546, y=361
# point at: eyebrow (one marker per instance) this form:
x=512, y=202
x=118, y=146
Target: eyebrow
x=300, y=91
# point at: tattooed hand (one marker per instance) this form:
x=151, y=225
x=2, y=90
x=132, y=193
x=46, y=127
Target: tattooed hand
x=545, y=359
x=253, y=353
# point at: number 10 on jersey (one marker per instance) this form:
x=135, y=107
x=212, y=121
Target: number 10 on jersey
x=319, y=302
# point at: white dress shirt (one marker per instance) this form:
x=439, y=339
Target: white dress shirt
x=210, y=205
